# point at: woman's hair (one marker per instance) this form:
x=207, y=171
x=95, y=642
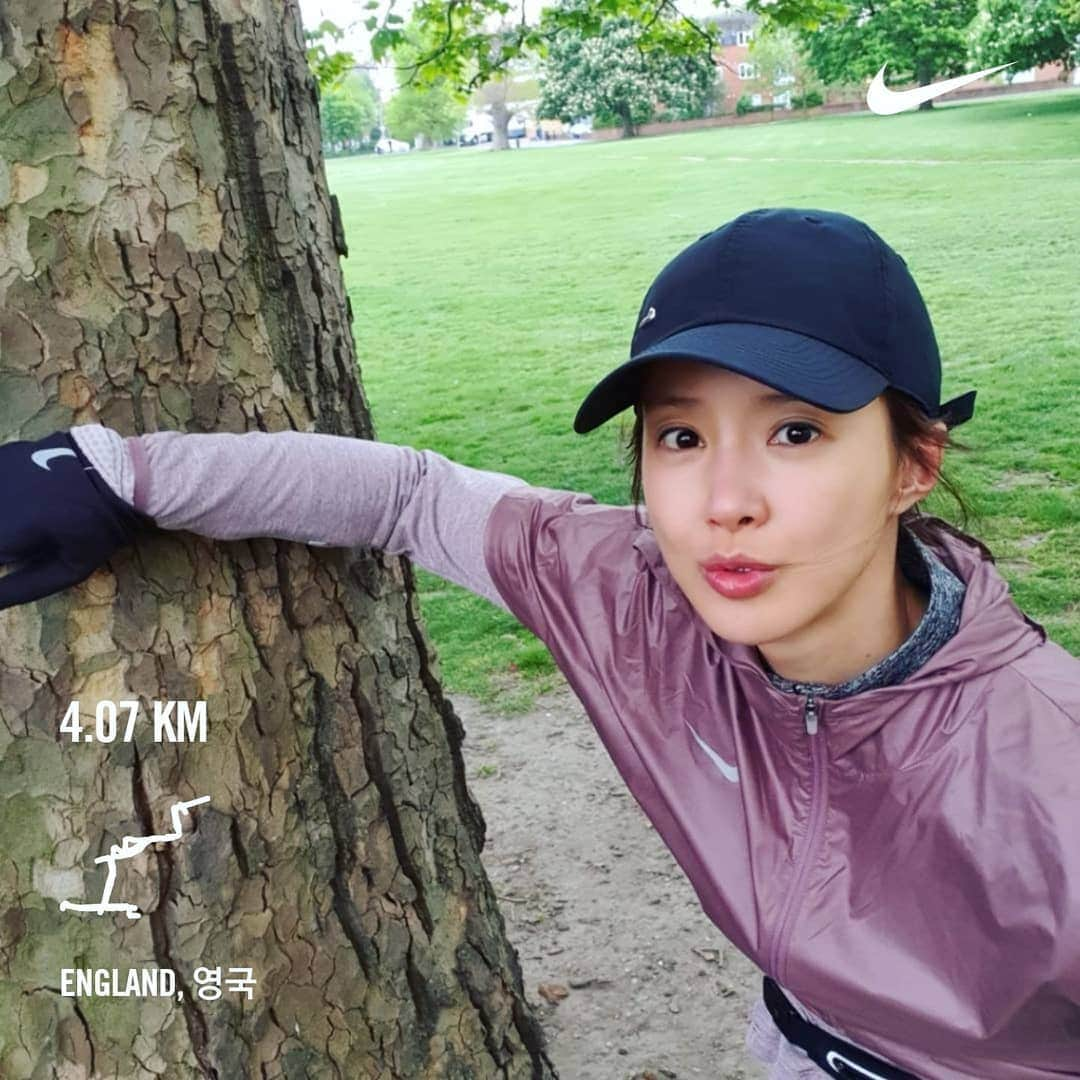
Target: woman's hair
x=912, y=431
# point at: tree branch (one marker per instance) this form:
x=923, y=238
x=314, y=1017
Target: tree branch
x=415, y=67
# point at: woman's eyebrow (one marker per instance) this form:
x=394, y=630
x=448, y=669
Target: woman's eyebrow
x=682, y=401
x=670, y=399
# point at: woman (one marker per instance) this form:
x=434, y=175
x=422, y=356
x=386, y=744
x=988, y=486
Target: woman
x=862, y=754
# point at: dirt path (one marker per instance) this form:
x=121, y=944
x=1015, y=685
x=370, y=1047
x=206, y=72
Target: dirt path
x=598, y=909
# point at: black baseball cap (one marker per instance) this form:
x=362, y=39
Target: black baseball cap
x=812, y=302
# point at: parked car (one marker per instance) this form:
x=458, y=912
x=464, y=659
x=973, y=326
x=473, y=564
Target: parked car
x=391, y=146
x=517, y=126
x=580, y=128
x=480, y=130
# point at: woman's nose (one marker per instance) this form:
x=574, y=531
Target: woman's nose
x=735, y=497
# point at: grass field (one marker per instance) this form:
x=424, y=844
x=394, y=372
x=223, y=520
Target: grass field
x=491, y=291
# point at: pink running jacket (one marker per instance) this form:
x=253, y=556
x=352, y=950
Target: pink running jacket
x=905, y=860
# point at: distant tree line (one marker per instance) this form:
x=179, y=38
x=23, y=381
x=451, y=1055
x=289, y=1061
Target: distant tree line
x=606, y=60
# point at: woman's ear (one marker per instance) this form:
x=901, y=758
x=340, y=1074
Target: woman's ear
x=918, y=471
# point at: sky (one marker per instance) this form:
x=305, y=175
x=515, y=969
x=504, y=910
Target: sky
x=346, y=12
x=350, y=15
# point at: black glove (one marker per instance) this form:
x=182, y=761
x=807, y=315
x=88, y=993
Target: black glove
x=58, y=518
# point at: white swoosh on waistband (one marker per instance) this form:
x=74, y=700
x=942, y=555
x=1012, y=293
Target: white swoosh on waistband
x=43, y=457
x=886, y=102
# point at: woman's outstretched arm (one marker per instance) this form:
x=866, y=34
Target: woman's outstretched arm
x=327, y=490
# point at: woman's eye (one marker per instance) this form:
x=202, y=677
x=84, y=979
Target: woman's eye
x=804, y=433
x=801, y=429
x=675, y=431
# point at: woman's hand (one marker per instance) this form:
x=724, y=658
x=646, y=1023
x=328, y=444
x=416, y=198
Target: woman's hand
x=58, y=519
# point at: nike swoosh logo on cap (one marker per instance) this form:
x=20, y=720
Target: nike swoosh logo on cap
x=729, y=772
x=43, y=457
x=886, y=102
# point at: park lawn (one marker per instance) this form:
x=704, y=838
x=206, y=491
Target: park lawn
x=491, y=291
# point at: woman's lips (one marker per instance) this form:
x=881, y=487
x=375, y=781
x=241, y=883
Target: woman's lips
x=739, y=584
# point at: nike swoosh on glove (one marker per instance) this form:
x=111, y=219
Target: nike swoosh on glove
x=60, y=520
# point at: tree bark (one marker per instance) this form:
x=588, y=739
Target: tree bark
x=500, y=125
x=169, y=259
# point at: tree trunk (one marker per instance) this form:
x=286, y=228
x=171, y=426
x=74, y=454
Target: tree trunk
x=169, y=260
x=925, y=74
x=500, y=121
x=627, y=124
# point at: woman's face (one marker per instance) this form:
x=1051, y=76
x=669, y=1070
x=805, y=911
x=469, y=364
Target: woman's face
x=736, y=470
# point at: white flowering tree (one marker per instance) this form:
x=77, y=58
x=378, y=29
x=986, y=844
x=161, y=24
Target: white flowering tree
x=615, y=78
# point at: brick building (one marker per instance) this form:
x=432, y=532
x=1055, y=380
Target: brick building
x=736, y=30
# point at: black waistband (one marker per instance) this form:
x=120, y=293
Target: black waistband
x=835, y=1056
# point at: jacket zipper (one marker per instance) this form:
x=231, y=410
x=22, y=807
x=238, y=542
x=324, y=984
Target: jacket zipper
x=818, y=799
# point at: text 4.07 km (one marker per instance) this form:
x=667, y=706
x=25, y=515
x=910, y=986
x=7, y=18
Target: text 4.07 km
x=174, y=721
